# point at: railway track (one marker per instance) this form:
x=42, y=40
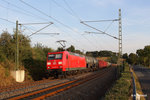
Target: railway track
x=19, y=86
x=53, y=90
x=6, y=92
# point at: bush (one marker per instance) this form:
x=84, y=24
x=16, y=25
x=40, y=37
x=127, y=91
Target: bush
x=121, y=89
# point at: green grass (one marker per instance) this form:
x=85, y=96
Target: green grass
x=121, y=88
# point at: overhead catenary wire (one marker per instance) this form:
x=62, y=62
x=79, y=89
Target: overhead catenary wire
x=70, y=13
x=108, y=26
x=8, y=20
x=40, y=29
x=102, y=32
x=28, y=13
x=52, y=18
x=43, y=33
x=60, y=23
x=69, y=35
x=71, y=43
x=98, y=30
x=47, y=15
x=63, y=8
x=75, y=14
x=36, y=23
x=21, y=12
x=46, y=34
x=102, y=20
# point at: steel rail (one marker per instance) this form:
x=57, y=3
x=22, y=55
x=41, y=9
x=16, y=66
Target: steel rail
x=58, y=86
x=36, y=92
x=73, y=85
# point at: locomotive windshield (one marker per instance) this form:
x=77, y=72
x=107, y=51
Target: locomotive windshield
x=54, y=56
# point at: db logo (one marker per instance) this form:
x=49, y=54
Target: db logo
x=54, y=63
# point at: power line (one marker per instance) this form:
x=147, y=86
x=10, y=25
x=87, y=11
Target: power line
x=72, y=10
x=71, y=13
x=51, y=18
x=102, y=20
x=108, y=26
x=27, y=12
x=48, y=16
x=71, y=43
x=49, y=23
x=69, y=35
x=40, y=29
x=74, y=38
x=98, y=30
x=8, y=20
x=36, y=23
x=62, y=7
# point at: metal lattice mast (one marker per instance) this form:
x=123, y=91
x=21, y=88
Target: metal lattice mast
x=17, y=47
x=120, y=35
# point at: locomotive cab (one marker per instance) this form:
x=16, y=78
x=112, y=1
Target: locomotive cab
x=55, y=61
x=59, y=63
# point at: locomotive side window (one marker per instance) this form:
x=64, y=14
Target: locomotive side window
x=54, y=56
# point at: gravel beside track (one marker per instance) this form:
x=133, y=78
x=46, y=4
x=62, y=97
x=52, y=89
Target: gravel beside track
x=21, y=89
x=92, y=90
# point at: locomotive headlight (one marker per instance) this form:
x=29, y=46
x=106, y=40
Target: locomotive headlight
x=48, y=63
x=59, y=62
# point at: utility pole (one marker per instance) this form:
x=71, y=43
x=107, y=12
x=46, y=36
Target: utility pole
x=19, y=74
x=17, y=47
x=120, y=35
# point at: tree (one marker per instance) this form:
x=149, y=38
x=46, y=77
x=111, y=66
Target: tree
x=7, y=46
x=79, y=52
x=140, y=52
x=125, y=56
x=144, y=56
x=60, y=49
x=105, y=53
x=71, y=48
x=113, y=59
x=132, y=58
x=147, y=55
x=89, y=54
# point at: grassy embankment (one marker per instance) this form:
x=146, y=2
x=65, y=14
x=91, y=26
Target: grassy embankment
x=122, y=89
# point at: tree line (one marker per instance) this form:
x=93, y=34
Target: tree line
x=142, y=57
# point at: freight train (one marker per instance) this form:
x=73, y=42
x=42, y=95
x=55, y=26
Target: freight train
x=64, y=62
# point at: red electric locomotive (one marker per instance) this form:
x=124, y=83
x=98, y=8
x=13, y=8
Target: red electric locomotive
x=61, y=62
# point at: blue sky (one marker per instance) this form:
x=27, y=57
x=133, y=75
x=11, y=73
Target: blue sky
x=135, y=22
